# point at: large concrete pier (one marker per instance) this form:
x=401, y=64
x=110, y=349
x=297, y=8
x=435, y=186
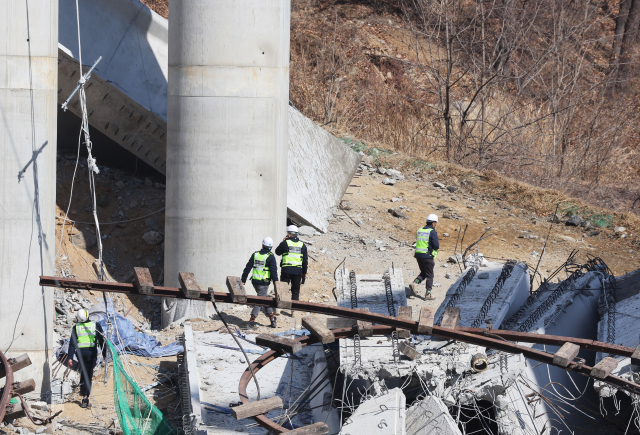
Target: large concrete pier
x=28, y=111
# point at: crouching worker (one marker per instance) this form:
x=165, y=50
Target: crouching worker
x=264, y=269
x=86, y=338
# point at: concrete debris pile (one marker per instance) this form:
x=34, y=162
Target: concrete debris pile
x=67, y=304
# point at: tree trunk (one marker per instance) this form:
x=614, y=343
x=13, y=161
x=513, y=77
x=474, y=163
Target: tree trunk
x=628, y=42
x=621, y=21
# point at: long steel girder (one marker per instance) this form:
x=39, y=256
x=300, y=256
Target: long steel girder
x=495, y=339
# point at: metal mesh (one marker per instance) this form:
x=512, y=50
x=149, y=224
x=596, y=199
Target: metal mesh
x=137, y=416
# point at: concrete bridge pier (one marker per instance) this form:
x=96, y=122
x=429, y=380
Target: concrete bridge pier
x=28, y=115
x=228, y=92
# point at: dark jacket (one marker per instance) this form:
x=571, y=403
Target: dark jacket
x=271, y=264
x=292, y=270
x=73, y=341
x=434, y=244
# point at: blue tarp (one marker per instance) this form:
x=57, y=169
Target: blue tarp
x=126, y=339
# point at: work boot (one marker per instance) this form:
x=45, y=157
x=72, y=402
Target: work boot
x=85, y=402
x=414, y=290
x=428, y=294
x=273, y=322
x=252, y=323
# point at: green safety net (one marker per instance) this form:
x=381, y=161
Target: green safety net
x=137, y=416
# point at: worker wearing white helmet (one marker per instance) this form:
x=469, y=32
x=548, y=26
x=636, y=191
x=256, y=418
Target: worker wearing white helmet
x=294, y=261
x=427, y=246
x=86, y=338
x=264, y=269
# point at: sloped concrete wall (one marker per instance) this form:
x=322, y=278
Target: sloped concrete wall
x=320, y=170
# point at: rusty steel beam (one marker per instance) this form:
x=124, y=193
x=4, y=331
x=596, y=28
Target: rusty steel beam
x=262, y=301
x=8, y=389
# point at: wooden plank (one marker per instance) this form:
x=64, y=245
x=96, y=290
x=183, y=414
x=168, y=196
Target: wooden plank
x=566, y=354
x=319, y=428
x=635, y=357
x=142, y=280
x=340, y=322
x=275, y=342
x=17, y=363
x=604, y=367
x=408, y=350
x=236, y=288
x=14, y=411
x=283, y=295
x=425, y=322
x=365, y=329
x=188, y=285
x=451, y=317
x=260, y=407
x=404, y=313
x=24, y=387
x=318, y=330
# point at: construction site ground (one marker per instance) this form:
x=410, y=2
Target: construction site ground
x=365, y=235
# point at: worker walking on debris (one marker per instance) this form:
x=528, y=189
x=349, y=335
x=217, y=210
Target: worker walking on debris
x=427, y=246
x=294, y=261
x=264, y=269
x=86, y=337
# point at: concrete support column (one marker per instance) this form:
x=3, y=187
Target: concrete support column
x=28, y=114
x=227, y=137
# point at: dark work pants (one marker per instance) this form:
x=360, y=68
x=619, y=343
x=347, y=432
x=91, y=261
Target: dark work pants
x=426, y=271
x=261, y=290
x=87, y=358
x=295, y=284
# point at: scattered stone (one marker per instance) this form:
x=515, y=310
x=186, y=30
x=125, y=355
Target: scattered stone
x=82, y=240
x=133, y=204
x=396, y=199
x=523, y=236
x=152, y=237
x=447, y=215
x=534, y=254
x=585, y=224
x=41, y=430
x=368, y=160
x=382, y=170
x=445, y=234
x=452, y=188
x=346, y=205
x=483, y=275
x=398, y=213
x=367, y=242
x=439, y=185
x=148, y=182
x=533, y=236
x=150, y=263
x=396, y=175
x=594, y=233
x=389, y=181
x=455, y=259
x=379, y=243
x=574, y=221
x=119, y=184
x=618, y=230
x=306, y=231
x=470, y=206
x=448, y=275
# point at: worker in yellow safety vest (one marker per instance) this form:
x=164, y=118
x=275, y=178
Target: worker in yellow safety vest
x=294, y=261
x=263, y=268
x=427, y=246
x=87, y=337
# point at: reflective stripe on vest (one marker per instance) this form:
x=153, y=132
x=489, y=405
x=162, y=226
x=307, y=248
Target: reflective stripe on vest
x=261, y=271
x=86, y=333
x=422, y=242
x=294, y=256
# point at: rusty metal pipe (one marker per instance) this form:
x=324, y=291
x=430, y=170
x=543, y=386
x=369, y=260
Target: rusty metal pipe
x=8, y=388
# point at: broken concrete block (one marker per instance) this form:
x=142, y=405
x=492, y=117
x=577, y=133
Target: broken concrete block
x=398, y=213
x=430, y=416
x=389, y=181
x=380, y=415
x=408, y=350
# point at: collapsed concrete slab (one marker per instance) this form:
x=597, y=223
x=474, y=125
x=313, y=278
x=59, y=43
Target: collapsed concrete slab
x=321, y=404
x=127, y=101
x=382, y=415
x=430, y=416
x=488, y=294
x=622, y=297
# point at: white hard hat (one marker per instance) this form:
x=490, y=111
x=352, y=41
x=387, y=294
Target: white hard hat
x=292, y=229
x=82, y=315
x=432, y=218
x=267, y=241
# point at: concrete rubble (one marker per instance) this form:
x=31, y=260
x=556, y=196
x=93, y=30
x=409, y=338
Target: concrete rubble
x=428, y=416
x=383, y=414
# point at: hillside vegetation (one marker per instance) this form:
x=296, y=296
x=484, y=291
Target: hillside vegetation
x=542, y=91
